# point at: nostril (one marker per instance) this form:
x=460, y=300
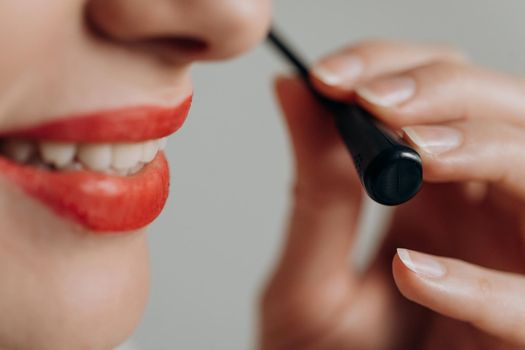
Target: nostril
x=171, y=49
x=182, y=43
x=166, y=47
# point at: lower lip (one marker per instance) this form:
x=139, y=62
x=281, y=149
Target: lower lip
x=99, y=202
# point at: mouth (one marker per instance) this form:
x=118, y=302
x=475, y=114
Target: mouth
x=104, y=170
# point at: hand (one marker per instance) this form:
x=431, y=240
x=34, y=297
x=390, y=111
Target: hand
x=469, y=126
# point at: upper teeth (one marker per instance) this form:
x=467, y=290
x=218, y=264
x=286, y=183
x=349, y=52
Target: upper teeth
x=58, y=154
x=95, y=156
x=120, y=158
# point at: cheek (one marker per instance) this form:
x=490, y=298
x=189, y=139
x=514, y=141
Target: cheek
x=33, y=33
x=62, y=288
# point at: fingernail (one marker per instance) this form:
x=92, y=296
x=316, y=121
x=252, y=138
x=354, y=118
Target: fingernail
x=340, y=71
x=389, y=92
x=421, y=264
x=434, y=140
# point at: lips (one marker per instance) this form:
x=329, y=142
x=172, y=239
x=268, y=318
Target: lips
x=101, y=202
x=121, y=125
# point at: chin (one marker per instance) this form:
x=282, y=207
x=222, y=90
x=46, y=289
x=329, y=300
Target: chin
x=77, y=193
x=64, y=287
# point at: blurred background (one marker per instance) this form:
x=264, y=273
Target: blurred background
x=221, y=230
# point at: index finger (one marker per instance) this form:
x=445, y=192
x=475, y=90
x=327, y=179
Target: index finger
x=337, y=74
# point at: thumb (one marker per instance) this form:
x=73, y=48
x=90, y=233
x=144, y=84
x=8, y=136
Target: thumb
x=321, y=159
x=326, y=198
x=490, y=300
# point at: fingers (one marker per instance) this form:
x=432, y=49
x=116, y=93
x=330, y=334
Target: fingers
x=490, y=300
x=414, y=84
x=337, y=74
x=321, y=160
x=444, y=91
x=488, y=152
x=327, y=194
x=313, y=296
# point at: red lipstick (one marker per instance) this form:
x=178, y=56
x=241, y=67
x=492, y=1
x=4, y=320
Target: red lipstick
x=99, y=202
x=119, y=125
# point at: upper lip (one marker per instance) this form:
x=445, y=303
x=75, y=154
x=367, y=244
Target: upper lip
x=101, y=202
x=129, y=124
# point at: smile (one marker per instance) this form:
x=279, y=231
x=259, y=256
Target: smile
x=105, y=170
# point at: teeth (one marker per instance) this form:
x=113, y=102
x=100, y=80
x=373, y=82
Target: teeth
x=18, y=150
x=95, y=156
x=136, y=168
x=162, y=143
x=73, y=167
x=126, y=155
x=120, y=158
x=58, y=154
x=149, y=151
x=130, y=171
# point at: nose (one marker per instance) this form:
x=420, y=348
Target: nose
x=183, y=29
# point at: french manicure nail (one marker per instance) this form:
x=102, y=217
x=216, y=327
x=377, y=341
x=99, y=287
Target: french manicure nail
x=389, y=92
x=421, y=264
x=340, y=71
x=434, y=140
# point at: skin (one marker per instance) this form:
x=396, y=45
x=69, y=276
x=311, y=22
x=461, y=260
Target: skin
x=61, y=286
x=469, y=216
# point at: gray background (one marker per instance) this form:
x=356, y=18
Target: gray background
x=216, y=241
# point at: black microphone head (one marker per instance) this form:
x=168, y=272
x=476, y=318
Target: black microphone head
x=395, y=176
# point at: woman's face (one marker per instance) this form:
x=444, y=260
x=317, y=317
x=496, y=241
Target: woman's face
x=88, y=88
